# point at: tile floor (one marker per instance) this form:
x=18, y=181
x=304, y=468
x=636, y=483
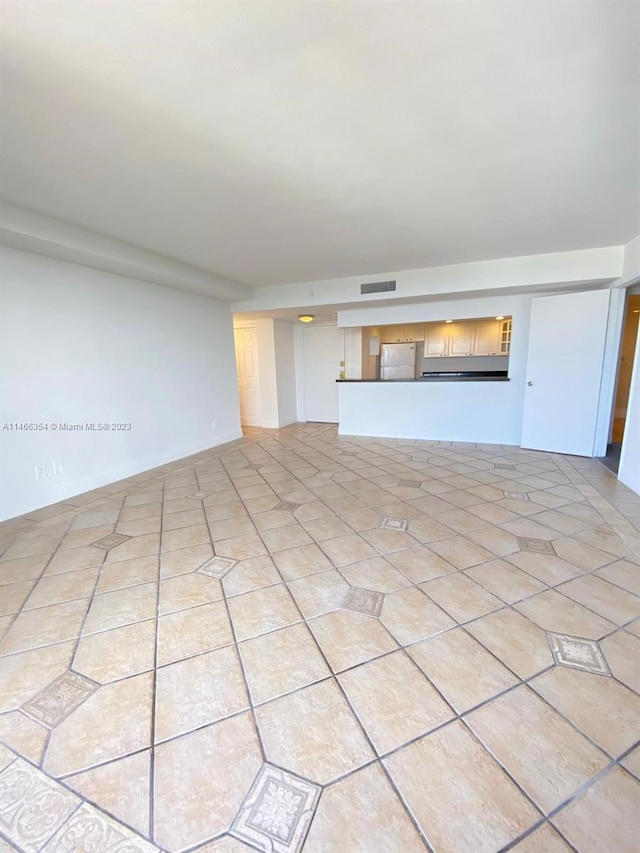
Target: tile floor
x=306, y=642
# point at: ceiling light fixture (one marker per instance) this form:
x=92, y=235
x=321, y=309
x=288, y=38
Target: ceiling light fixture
x=448, y=321
x=500, y=317
x=306, y=318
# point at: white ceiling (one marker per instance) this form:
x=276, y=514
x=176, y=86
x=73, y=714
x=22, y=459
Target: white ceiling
x=275, y=142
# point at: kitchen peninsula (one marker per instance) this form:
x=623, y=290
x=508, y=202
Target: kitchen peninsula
x=462, y=387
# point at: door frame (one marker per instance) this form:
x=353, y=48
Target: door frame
x=249, y=325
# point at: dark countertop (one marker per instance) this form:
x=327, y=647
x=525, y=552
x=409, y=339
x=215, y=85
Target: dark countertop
x=434, y=379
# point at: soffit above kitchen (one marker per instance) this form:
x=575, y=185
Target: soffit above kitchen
x=280, y=142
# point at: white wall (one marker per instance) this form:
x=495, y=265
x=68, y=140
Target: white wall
x=629, y=470
x=81, y=345
x=285, y=372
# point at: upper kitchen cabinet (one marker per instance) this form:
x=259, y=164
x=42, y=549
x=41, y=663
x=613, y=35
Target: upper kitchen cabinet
x=488, y=338
x=401, y=334
x=462, y=338
x=436, y=340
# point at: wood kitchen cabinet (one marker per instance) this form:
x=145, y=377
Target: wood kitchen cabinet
x=436, y=340
x=488, y=337
x=462, y=338
x=402, y=334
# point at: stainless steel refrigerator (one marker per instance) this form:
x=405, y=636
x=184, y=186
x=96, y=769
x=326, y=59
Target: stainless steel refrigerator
x=398, y=361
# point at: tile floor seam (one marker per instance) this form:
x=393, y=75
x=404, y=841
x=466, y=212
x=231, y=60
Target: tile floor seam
x=154, y=684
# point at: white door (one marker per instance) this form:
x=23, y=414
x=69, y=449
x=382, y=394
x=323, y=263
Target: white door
x=323, y=352
x=564, y=372
x=247, y=369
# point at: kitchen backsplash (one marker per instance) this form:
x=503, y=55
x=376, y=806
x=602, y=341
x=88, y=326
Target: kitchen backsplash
x=478, y=362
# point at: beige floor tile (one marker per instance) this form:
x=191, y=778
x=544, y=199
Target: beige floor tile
x=545, y=567
x=84, y=538
x=198, y=691
x=229, y=508
x=410, y=615
x=591, y=702
x=53, y=624
x=555, y=612
x=249, y=575
x=543, y=840
x=348, y=638
x=262, y=611
x=494, y=539
x=133, y=513
x=230, y=527
x=299, y=562
x=284, y=538
x=13, y=596
x=128, y=573
x=225, y=844
x=361, y=814
x=184, y=591
x=118, y=653
x=462, y=669
x=121, y=607
x=604, y=598
x=375, y=573
x=362, y=519
x=537, y=746
x=464, y=803
x=585, y=557
x=604, y=539
x=326, y=528
x=22, y=569
x=506, y=581
x=345, y=550
x=623, y=573
x=428, y=529
x=632, y=762
x=121, y=787
x=64, y=587
x=622, y=652
x=139, y=546
x=185, y=537
x=519, y=643
x=281, y=661
x=387, y=541
x=32, y=545
x=113, y=722
x=222, y=760
x=420, y=564
x=139, y=527
x=74, y=559
x=25, y=674
x=24, y=735
x=177, y=520
x=461, y=552
x=319, y=593
x=530, y=529
x=605, y=817
x=184, y=560
x=313, y=733
x=241, y=547
x=461, y=597
x=190, y=632
x=394, y=701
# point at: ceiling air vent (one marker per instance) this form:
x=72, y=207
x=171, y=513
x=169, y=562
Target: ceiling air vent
x=377, y=287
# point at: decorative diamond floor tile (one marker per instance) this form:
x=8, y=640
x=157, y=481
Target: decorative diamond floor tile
x=199, y=495
x=287, y=506
x=365, y=601
x=516, y=496
x=410, y=484
x=538, y=546
x=216, y=567
x=578, y=653
x=277, y=811
x=110, y=541
x=58, y=699
x=400, y=524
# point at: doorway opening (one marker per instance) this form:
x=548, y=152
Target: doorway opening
x=623, y=381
